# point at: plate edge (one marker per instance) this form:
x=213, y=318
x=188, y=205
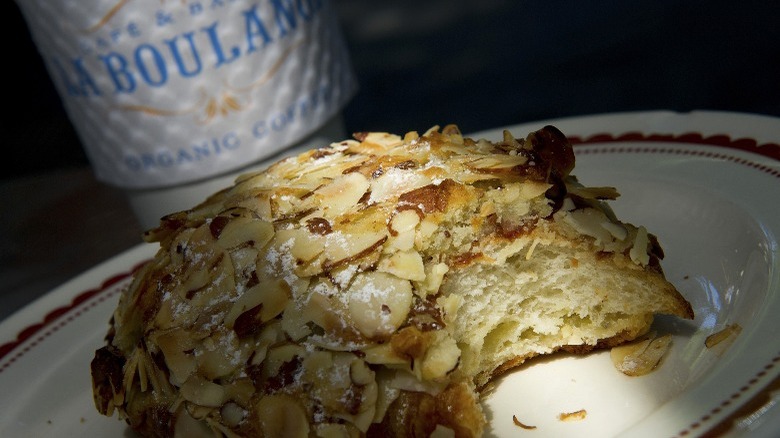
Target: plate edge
x=54, y=315
x=768, y=150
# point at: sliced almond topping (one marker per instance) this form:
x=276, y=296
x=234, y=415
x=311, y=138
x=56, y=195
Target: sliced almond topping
x=278, y=356
x=383, y=354
x=258, y=305
x=441, y=358
x=638, y=252
x=222, y=357
x=431, y=198
x=640, y=357
x=410, y=343
x=728, y=333
x=294, y=322
x=326, y=311
x=379, y=303
x=434, y=276
x=533, y=189
x=520, y=424
x=342, y=194
x=428, y=227
x=240, y=390
x=407, y=381
x=316, y=365
x=241, y=230
x=403, y=230
x=340, y=250
x=381, y=138
x=176, y=347
x=588, y=221
x=394, y=181
x=302, y=245
x=281, y=415
x=573, y=416
x=232, y=414
x=411, y=136
x=404, y=264
x=403, y=221
x=497, y=162
x=617, y=231
x=186, y=425
x=332, y=430
x=203, y=392
x=270, y=335
x=360, y=373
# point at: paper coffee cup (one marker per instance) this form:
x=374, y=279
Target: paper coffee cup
x=168, y=95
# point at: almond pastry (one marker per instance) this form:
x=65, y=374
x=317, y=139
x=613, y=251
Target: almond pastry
x=375, y=287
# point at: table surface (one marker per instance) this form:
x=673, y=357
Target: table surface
x=55, y=226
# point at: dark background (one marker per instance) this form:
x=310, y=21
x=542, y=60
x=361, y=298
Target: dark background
x=483, y=64
x=480, y=64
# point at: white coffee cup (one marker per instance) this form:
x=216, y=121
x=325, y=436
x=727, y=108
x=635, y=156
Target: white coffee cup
x=172, y=100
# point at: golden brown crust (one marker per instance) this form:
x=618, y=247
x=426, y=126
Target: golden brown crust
x=602, y=344
x=417, y=414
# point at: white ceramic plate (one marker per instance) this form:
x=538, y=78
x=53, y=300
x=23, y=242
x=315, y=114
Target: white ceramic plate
x=708, y=184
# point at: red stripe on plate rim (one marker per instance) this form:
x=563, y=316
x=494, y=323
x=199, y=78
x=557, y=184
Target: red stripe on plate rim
x=54, y=316
x=769, y=150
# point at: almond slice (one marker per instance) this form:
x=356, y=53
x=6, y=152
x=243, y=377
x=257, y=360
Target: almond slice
x=573, y=416
x=640, y=357
x=727, y=334
x=379, y=303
